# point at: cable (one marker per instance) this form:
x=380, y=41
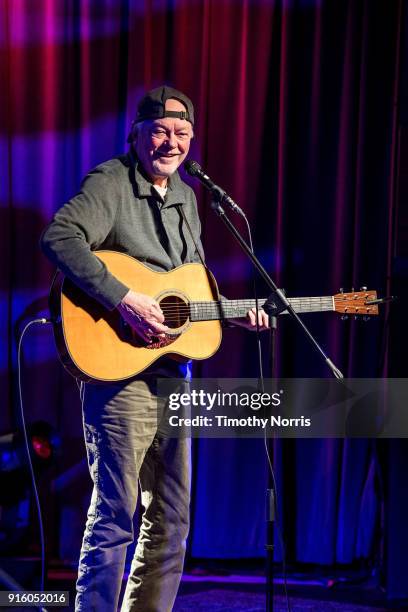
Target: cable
x=269, y=460
x=27, y=447
x=258, y=335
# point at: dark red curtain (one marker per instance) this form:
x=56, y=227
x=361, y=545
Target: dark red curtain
x=297, y=107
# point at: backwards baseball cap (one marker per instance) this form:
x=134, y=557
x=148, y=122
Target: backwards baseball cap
x=152, y=105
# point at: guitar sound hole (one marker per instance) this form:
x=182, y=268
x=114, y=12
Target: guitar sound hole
x=175, y=311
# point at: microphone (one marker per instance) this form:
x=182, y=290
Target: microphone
x=193, y=168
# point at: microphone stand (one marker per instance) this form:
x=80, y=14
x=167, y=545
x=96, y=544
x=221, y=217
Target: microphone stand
x=270, y=491
x=274, y=305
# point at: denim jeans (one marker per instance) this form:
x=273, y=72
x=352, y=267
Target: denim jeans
x=120, y=426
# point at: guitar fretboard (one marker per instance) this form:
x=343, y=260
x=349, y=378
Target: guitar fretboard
x=231, y=309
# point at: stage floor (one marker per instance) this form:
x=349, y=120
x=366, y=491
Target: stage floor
x=225, y=587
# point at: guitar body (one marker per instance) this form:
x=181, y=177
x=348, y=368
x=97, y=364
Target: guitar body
x=95, y=343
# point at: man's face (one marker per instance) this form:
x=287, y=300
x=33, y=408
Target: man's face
x=162, y=144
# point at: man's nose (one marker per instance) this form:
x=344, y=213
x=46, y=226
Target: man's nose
x=172, y=140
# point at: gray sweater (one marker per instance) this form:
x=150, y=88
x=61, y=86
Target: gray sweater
x=118, y=209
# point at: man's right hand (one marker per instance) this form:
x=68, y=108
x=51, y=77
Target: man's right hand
x=144, y=315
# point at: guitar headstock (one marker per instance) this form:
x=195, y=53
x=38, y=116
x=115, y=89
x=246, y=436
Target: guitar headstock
x=356, y=303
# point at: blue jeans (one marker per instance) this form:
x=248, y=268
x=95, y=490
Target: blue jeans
x=120, y=425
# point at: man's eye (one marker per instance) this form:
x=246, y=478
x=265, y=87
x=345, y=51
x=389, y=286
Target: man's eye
x=182, y=135
x=158, y=132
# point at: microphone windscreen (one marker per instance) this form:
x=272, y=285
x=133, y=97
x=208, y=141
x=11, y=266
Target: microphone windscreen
x=192, y=167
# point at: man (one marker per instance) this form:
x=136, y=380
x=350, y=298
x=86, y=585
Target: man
x=133, y=204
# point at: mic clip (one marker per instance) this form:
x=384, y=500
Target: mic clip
x=221, y=197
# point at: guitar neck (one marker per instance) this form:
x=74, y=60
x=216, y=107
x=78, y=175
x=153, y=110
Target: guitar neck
x=234, y=309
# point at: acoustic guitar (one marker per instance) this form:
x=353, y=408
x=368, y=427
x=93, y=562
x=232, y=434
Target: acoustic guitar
x=96, y=344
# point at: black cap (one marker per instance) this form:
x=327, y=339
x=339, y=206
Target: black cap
x=152, y=105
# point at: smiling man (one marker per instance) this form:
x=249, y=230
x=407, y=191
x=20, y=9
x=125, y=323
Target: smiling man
x=132, y=204
x=135, y=204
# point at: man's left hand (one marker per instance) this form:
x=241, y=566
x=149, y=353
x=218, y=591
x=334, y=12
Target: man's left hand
x=250, y=321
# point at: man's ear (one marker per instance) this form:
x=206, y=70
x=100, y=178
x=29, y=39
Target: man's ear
x=133, y=133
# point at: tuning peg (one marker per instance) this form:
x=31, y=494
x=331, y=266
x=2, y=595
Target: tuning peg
x=365, y=318
x=352, y=290
x=363, y=288
x=344, y=317
x=341, y=290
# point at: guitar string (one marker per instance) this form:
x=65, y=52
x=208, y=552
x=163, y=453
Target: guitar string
x=233, y=310
x=171, y=314
x=210, y=307
x=306, y=302
x=244, y=303
x=341, y=297
x=233, y=304
x=241, y=309
x=247, y=302
x=214, y=315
